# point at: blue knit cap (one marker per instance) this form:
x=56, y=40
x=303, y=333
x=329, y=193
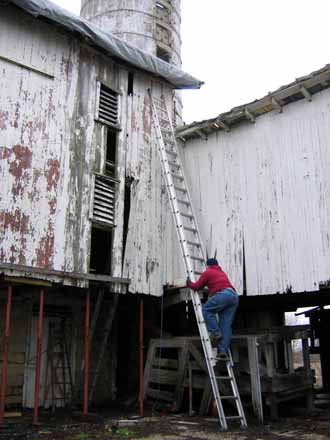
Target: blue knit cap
x=212, y=262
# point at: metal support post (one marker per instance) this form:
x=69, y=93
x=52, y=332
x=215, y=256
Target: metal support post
x=86, y=361
x=5, y=356
x=141, y=396
x=38, y=358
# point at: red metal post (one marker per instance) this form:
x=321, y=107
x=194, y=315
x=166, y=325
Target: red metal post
x=86, y=364
x=141, y=396
x=5, y=356
x=38, y=358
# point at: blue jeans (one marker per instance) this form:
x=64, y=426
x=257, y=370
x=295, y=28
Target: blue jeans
x=222, y=305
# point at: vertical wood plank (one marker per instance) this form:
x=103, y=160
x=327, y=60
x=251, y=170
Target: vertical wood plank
x=255, y=377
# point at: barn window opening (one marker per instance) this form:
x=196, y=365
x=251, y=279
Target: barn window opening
x=127, y=209
x=111, y=153
x=108, y=108
x=163, y=54
x=101, y=250
x=130, y=84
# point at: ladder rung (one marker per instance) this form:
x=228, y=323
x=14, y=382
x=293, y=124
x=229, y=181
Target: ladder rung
x=189, y=216
x=197, y=258
x=177, y=176
x=174, y=153
x=193, y=243
x=184, y=202
x=228, y=397
x=159, y=100
x=180, y=189
x=234, y=417
x=223, y=377
x=174, y=164
x=158, y=107
x=194, y=230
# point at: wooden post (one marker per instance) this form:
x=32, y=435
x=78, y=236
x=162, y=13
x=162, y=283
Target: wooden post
x=182, y=365
x=5, y=356
x=305, y=352
x=86, y=362
x=270, y=356
x=289, y=355
x=310, y=404
x=255, y=377
x=38, y=358
x=190, y=388
x=141, y=393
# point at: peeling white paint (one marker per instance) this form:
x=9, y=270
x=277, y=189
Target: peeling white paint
x=269, y=183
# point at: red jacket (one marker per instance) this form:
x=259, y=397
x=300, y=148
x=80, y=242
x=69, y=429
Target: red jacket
x=214, y=278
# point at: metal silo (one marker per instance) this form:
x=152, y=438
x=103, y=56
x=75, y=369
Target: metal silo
x=151, y=25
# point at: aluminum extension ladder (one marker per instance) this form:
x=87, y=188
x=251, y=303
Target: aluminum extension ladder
x=191, y=249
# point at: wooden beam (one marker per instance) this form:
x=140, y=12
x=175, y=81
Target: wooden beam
x=201, y=134
x=222, y=124
x=182, y=296
x=249, y=115
x=306, y=93
x=276, y=105
x=26, y=271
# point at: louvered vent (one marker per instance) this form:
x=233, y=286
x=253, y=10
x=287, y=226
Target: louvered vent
x=104, y=200
x=108, y=106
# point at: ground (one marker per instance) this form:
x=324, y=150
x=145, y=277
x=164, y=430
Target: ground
x=165, y=427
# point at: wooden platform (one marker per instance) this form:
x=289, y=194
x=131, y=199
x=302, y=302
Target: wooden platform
x=263, y=367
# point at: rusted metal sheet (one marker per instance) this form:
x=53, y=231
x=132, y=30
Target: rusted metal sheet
x=267, y=184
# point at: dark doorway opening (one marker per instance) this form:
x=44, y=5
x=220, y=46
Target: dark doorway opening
x=101, y=246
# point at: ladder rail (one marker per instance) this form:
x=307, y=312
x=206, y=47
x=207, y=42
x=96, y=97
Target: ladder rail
x=171, y=191
x=188, y=195
x=234, y=387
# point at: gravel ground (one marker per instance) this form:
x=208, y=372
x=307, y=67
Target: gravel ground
x=169, y=427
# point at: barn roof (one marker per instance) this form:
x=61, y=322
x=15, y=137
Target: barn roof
x=113, y=46
x=302, y=88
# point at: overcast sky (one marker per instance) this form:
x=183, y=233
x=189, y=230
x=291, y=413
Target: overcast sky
x=243, y=49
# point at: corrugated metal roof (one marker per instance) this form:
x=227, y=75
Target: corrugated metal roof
x=301, y=88
x=114, y=46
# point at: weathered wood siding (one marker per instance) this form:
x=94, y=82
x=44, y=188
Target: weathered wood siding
x=268, y=184
x=37, y=87
x=51, y=144
x=151, y=256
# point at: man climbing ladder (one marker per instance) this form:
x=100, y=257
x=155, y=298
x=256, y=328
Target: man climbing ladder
x=222, y=303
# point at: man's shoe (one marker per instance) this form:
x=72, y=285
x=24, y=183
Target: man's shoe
x=215, y=338
x=222, y=356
